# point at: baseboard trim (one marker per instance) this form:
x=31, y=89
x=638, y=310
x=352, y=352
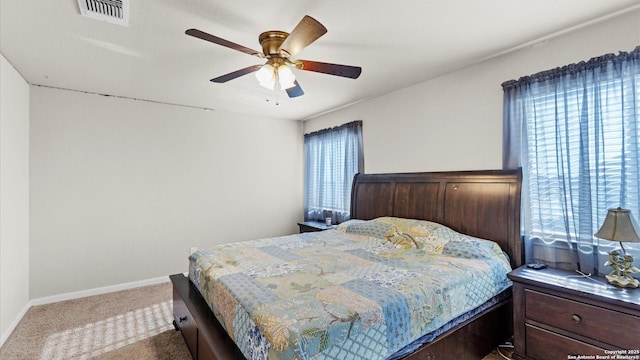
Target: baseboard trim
x=14, y=324
x=76, y=295
x=98, y=291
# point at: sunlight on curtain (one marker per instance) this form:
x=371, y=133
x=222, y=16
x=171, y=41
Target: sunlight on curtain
x=575, y=132
x=332, y=158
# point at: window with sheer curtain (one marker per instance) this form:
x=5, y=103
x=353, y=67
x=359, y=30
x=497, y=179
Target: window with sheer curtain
x=575, y=131
x=332, y=158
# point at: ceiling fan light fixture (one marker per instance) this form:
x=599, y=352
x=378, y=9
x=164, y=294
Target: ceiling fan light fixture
x=266, y=76
x=286, y=79
x=269, y=75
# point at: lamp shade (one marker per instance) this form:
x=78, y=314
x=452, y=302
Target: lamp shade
x=620, y=226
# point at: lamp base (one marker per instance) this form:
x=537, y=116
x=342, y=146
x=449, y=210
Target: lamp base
x=623, y=267
x=621, y=281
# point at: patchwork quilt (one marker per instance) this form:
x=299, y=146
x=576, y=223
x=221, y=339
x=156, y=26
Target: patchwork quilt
x=361, y=291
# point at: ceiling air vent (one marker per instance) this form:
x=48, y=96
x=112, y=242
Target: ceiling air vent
x=111, y=11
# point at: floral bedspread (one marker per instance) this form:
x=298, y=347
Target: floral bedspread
x=361, y=291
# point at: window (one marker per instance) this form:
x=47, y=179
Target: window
x=332, y=158
x=575, y=131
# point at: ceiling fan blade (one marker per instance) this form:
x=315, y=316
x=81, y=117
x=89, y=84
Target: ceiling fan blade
x=327, y=68
x=216, y=40
x=295, y=91
x=236, y=74
x=307, y=31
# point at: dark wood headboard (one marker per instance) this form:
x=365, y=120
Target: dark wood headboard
x=484, y=204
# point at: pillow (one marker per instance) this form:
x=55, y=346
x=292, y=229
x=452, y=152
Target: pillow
x=342, y=227
x=368, y=228
x=469, y=247
x=426, y=235
x=403, y=233
x=379, y=230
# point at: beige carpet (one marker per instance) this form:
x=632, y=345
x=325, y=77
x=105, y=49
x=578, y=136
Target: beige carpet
x=130, y=324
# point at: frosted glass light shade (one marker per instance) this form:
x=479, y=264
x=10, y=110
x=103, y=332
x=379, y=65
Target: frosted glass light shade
x=266, y=76
x=285, y=77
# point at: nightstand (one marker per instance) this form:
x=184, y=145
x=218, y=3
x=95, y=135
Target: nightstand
x=559, y=314
x=310, y=226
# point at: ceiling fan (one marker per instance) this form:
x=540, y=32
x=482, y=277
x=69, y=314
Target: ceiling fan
x=278, y=47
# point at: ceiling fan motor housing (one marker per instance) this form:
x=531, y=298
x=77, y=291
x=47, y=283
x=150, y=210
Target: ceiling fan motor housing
x=271, y=42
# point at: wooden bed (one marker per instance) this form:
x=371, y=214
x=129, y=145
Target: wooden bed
x=484, y=204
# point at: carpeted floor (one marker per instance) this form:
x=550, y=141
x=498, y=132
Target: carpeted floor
x=130, y=324
x=502, y=354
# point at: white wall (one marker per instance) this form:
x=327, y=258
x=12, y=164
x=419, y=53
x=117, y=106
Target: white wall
x=454, y=122
x=121, y=189
x=14, y=196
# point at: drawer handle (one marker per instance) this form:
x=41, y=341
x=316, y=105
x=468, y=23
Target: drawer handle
x=576, y=318
x=184, y=318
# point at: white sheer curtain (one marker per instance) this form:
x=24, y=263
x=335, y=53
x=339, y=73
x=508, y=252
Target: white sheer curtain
x=332, y=158
x=575, y=131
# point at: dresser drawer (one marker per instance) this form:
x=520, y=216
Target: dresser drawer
x=595, y=322
x=546, y=345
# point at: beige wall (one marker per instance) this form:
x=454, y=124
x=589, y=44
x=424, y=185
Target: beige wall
x=14, y=196
x=454, y=122
x=122, y=189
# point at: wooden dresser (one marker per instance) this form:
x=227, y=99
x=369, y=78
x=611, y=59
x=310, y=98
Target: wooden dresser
x=560, y=314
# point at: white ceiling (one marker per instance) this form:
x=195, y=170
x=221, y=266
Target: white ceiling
x=397, y=44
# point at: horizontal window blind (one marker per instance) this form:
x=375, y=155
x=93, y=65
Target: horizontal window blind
x=575, y=132
x=593, y=133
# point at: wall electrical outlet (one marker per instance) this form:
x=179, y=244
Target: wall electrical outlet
x=193, y=249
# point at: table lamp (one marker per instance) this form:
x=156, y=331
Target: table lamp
x=620, y=226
